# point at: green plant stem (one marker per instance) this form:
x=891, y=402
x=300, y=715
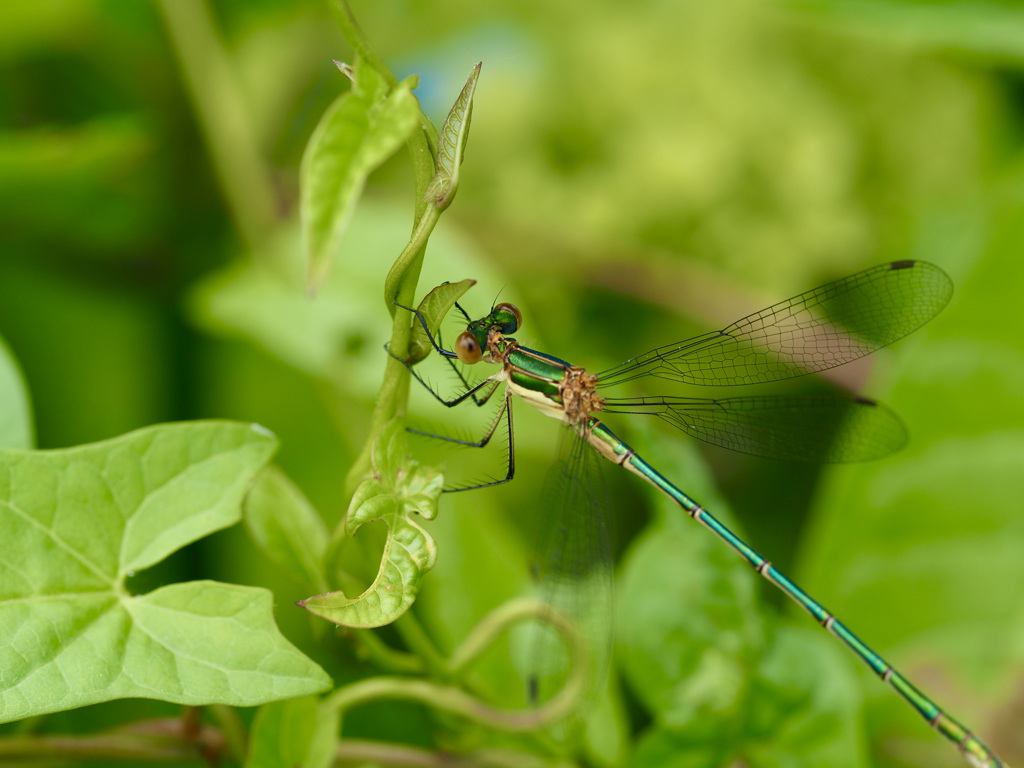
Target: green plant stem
x=403, y=276
x=456, y=701
x=385, y=657
x=361, y=45
x=419, y=642
x=222, y=115
x=493, y=624
x=423, y=160
x=148, y=741
x=406, y=271
x=233, y=730
x=423, y=155
x=401, y=285
x=357, y=39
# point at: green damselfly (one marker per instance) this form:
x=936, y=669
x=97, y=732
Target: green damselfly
x=823, y=328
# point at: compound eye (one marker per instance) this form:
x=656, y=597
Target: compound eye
x=513, y=310
x=467, y=348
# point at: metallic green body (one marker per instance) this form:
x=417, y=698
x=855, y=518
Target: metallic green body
x=536, y=364
x=891, y=300
x=535, y=371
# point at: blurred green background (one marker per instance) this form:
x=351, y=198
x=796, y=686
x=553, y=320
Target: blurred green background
x=636, y=173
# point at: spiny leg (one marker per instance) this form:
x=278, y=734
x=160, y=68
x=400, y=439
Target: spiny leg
x=454, y=401
x=477, y=400
x=471, y=443
x=464, y=313
x=449, y=358
x=454, y=367
x=506, y=408
x=430, y=336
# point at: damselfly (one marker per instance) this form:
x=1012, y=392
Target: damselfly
x=814, y=331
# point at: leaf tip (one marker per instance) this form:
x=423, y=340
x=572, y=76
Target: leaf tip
x=316, y=275
x=346, y=70
x=259, y=429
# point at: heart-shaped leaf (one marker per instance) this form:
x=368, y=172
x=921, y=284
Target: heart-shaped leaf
x=77, y=522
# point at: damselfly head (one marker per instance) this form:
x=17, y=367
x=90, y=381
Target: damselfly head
x=481, y=334
x=507, y=317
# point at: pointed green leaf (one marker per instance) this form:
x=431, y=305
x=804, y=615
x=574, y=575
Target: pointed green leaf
x=451, y=145
x=287, y=528
x=434, y=307
x=296, y=732
x=358, y=132
x=398, y=490
x=78, y=521
x=15, y=410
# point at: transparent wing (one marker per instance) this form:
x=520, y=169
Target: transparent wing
x=820, y=329
x=829, y=428
x=574, y=573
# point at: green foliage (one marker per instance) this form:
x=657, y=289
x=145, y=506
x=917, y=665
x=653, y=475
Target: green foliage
x=942, y=507
x=397, y=489
x=80, y=521
x=288, y=529
x=690, y=666
x=362, y=129
x=795, y=708
x=15, y=412
x=723, y=678
x=637, y=175
x=433, y=309
x=299, y=731
x=451, y=145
